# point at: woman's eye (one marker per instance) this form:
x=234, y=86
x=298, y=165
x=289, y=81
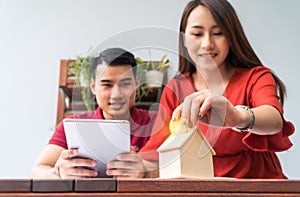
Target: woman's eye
x=218, y=33
x=197, y=34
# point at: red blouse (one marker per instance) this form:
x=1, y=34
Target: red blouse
x=240, y=155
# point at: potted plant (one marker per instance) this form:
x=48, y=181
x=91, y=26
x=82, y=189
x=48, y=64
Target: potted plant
x=150, y=74
x=82, y=69
x=153, y=70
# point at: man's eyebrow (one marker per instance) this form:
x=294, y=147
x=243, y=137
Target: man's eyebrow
x=126, y=79
x=110, y=81
x=105, y=81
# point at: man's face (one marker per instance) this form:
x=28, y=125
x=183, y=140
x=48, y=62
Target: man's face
x=114, y=87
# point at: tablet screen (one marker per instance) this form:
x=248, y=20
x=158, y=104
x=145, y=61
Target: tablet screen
x=100, y=140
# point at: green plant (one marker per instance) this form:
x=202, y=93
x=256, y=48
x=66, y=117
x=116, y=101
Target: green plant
x=144, y=66
x=161, y=65
x=82, y=70
x=143, y=89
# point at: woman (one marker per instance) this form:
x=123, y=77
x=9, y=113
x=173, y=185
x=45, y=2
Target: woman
x=224, y=89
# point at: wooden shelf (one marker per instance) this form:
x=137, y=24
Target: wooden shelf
x=69, y=95
x=150, y=102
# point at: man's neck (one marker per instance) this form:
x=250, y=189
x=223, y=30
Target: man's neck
x=116, y=117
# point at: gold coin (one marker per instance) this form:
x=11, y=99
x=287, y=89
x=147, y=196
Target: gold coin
x=177, y=128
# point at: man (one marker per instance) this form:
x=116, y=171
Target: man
x=114, y=83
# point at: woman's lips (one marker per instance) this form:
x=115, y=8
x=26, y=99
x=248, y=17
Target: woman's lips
x=208, y=56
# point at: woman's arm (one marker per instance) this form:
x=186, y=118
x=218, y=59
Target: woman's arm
x=267, y=121
x=217, y=111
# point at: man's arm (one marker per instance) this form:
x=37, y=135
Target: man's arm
x=44, y=167
x=151, y=169
x=57, y=162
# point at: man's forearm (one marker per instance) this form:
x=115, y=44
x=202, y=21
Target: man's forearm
x=151, y=169
x=43, y=172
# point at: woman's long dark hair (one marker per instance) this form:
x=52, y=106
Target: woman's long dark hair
x=241, y=54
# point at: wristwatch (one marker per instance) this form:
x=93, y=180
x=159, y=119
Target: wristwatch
x=250, y=126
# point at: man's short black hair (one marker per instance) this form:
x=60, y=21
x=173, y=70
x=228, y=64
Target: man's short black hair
x=112, y=57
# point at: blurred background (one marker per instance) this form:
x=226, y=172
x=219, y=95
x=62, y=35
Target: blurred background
x=36, y=34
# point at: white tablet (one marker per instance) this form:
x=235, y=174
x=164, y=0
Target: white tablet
x=100, y=140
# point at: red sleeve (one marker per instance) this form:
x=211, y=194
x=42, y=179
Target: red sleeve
x=262, y=91
x=275, y=143
x=148, y=152
x=173, y=94
x=141, y=124
x=59, y=138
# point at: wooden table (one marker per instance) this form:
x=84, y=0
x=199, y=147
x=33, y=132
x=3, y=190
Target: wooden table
x=149, y=187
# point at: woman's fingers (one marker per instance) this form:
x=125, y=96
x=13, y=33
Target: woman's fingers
x=177, y=113
x=191, y=107
x=186, y=109
x=199, y=106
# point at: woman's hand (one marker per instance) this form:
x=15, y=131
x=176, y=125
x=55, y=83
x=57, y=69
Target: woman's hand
x=126, y=165
x=70, y=167
x=205, y=107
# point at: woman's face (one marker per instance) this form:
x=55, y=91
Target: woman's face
x=204, y=40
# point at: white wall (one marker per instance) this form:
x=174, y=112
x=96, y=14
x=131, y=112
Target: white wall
x=36, y=34
x=273, y=29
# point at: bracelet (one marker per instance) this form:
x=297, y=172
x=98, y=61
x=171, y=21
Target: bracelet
x=250, y=126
